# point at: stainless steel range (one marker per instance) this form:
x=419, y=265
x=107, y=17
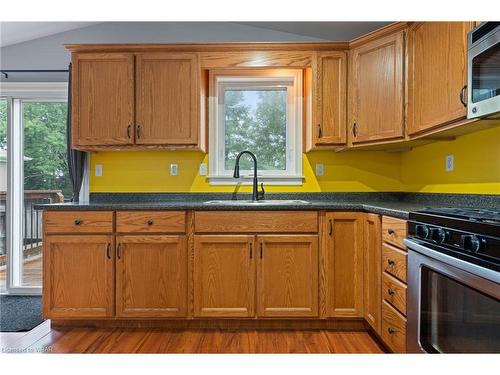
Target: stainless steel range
x=454, y=281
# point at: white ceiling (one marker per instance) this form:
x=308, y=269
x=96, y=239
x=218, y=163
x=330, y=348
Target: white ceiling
x=333, y=31
x=17, y=32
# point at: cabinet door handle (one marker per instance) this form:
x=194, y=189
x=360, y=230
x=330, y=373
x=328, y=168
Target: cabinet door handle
x=330, y=231
x=138, y=131
x=392, y=330
x=390, y=262
x=355, y=130
x=108, y=250
x=320, y=132
x=128, y=130
x=462, y=96
x=251, y=250
x=119, y=251
x=390, y=291
x=261, y=249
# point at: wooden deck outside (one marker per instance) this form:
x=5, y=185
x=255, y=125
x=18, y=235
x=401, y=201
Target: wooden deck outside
x=32, y=274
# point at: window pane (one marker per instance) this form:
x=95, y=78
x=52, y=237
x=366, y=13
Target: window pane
x=45, y=176
x=3, y=194
x=255, y=120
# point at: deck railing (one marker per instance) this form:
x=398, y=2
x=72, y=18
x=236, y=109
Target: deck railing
x=32, y=220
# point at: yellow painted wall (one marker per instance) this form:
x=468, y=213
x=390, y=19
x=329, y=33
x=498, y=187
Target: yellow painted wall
x=477, y=165
x=477, y=170
x=148, y=171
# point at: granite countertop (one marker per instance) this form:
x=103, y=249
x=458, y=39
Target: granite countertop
x=392, y=204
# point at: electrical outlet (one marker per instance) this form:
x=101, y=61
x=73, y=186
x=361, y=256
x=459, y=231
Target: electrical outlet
x=320, y=170
x=98, y=170
x=203, y=169
x=174, y=169
x=450, y=163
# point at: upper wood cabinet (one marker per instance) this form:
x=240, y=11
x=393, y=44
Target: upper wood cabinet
x=167, y=95
x=343, y=259
x=376, y=86
x=151, y=276
x=372, y=270
x=78, y=279
x=437, y=73
x=329, y=87
x=102, y=99
x=158, y=106
x=287, y=276
x=224, y=276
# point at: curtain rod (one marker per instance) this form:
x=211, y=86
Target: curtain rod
x=6, y=71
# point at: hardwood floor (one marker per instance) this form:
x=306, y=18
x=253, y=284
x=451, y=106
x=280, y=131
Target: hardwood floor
x=32, y=273
x=119, y=340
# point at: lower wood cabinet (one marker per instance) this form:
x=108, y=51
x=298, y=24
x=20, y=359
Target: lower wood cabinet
x=224, y=275
x=372, y=270
x=151, y=276
x=78, y=276
x=287, y=276
x=343, y=259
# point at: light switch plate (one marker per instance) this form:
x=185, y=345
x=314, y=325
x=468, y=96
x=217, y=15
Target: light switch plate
x=450, y=163
x=203, y=169
x=320, y=170
x=98, y=170
x=174, y=169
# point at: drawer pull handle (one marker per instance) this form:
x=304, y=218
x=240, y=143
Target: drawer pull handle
x=108, y=248
x=390, y=291
x=390, y=262
x=392, y=330
x=150, y=222
x=78, y=221
x=390, y=231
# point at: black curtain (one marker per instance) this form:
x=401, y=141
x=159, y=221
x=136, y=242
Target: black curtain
x=76, y=159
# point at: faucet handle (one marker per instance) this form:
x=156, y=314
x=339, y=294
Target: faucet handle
x=260, y=194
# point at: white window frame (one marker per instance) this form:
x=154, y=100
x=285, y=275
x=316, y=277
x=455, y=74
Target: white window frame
x=220, y=80
x=16, y=93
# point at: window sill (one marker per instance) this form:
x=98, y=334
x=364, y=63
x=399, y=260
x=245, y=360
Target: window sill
x=267, y=180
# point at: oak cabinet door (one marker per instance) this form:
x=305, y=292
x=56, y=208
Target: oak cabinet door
x=78, y=276
x=372, y=270
x=102, y=99
x=168, y=89
x=344, y=264
x=287, y=276
x=224, y=276
x=437, y=73
x=151, y=276
x=330, y=91
x=377, y=90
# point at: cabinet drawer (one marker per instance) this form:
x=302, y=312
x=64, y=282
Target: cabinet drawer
x=78, y=221
x=394, y=292
x=394, y=231
x=393, y=328
x=256, y=222
x=394, y=261
x=151, y=222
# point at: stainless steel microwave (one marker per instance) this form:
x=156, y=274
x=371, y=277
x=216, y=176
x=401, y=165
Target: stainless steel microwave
x=483, y=89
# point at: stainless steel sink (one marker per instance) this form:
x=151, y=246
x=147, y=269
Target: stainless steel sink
x=264, y=202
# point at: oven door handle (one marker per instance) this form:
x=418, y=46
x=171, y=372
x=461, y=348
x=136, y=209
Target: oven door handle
x=474, y=269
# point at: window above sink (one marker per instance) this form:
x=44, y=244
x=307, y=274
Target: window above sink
x=259, y=111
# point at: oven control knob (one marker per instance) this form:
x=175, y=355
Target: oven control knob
x=470, y=242
x=422, y=231
x=438, y=235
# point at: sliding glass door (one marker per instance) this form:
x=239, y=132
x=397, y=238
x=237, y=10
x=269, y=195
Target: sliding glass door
x=3, y=195
x=33, y=139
